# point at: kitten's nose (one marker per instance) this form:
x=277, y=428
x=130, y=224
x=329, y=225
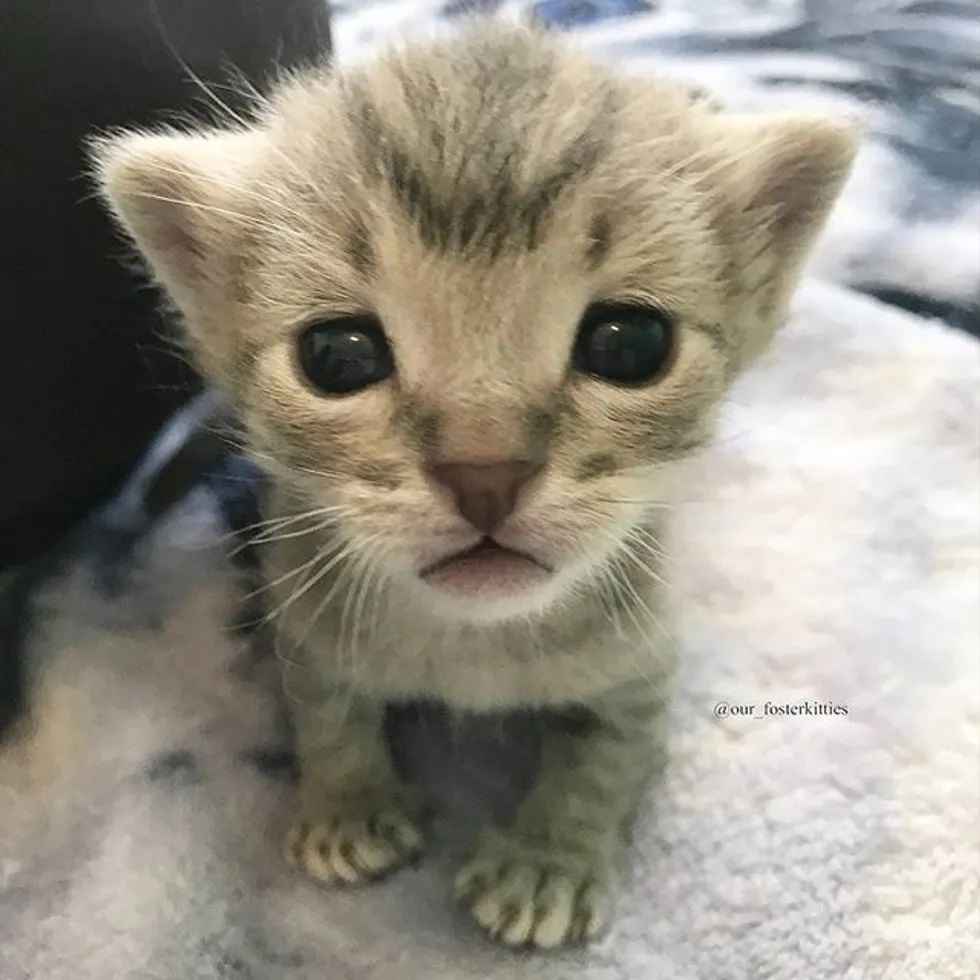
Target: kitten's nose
x=485, y=492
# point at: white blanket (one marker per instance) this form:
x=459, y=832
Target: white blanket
x=831, y=556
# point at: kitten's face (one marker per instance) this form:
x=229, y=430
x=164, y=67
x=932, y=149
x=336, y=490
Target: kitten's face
x=481, y=300
x=485, y=376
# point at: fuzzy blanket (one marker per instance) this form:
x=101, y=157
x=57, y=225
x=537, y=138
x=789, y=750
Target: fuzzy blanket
x=819, y=815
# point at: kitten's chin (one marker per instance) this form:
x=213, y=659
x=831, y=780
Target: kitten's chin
x=488, y=582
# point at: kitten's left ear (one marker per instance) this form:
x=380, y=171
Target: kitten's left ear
x=784, y=175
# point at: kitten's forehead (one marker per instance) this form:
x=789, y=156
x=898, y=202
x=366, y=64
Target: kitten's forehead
x=485, y=189
x=466, y=174
x=453, y=321
x=477, y=146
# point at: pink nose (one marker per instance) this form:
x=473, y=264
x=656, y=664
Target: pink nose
x=485, y=492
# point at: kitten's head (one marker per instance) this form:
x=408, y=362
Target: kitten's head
x=480, y=293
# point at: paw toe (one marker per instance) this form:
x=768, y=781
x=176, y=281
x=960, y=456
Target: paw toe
x=556, y=903
x=353, y=851
x=525, y=903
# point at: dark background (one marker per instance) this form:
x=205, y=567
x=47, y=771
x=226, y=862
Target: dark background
x=89, y=368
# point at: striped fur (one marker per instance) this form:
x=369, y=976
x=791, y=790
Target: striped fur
x=476, y=194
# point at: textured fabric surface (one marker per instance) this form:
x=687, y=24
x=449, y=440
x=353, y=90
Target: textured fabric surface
x=828, y=555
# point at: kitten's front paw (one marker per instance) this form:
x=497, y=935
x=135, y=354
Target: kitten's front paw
x=529, y=897
x=353, y=850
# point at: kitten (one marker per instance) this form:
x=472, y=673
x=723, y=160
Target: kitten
x=476, y=302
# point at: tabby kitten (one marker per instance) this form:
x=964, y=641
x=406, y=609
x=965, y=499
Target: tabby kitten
x=475, y=302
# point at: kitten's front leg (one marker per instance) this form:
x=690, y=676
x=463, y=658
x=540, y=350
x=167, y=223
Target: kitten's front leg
x=544, y=881
x=357, y=817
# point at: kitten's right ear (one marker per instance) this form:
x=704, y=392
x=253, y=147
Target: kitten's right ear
x=175, y=195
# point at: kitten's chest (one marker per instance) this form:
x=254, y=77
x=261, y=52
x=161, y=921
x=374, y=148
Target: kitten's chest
x=396, y=660
x=481, y=682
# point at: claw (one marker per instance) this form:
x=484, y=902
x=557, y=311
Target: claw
x=353, y=851
x=528, y=902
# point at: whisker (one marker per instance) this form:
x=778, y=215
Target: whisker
x=361, y=565
x=272, y=537
x=369, y=567
x=273, y=525
x=348, y=550
x=323, y=603
x=621, y=598
x=369, y=578
x=257, y=454
x=381, y=582
x=288, y=661
x=646, y=502
x=643, y=566
x=608, y=602
x=647, y=611
x=624, y=551
x=298, y=593
x=646, y=540
x=288, y=575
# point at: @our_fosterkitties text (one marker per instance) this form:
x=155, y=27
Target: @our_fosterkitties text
x=807, y=708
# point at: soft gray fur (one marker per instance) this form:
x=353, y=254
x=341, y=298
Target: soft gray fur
x=477, y=194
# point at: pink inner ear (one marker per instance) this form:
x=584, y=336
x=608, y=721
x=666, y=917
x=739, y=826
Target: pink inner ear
x=149, y=192
x=180, y=245
x=802, y=166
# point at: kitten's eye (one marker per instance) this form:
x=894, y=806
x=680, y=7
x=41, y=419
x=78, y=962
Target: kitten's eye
x=622, y=343
x=345, y=355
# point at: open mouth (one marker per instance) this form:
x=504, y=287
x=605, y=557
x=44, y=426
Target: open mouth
x=486, y=567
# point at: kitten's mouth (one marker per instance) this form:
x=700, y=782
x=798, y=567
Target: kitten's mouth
x=486, y=568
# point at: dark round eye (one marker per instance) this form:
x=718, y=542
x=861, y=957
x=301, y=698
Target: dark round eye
x=622, y=343
x=345, y=355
